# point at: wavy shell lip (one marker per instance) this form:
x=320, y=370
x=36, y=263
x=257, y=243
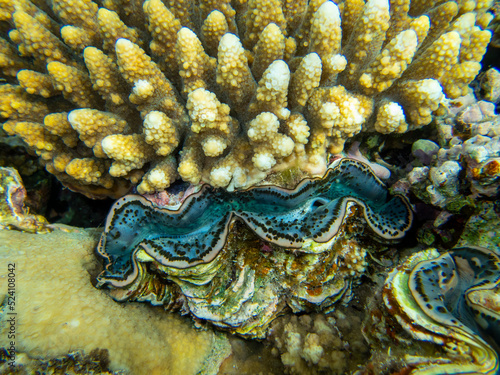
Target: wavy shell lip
x=197, y=231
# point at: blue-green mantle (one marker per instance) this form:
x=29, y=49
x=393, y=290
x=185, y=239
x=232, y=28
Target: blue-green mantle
x=197, y=231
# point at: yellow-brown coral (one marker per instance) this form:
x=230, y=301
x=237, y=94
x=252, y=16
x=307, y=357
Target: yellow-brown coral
x=59, y=305
x=230, y=90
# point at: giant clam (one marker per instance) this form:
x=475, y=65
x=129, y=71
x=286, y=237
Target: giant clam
x=238, y=259
x=450, y=299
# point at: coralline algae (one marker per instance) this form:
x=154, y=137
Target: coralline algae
x=443, y=289
x=197, y=231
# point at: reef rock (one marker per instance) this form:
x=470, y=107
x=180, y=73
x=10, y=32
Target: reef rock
x=316, y=344
x=465, y=167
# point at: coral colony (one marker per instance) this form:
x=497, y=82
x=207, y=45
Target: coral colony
x=225, y=92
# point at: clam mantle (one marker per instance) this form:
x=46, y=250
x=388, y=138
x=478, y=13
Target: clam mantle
x=304, y=243
x=197, y=231
x=450, y=304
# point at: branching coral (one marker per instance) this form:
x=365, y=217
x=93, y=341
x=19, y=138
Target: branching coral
x=223, y=92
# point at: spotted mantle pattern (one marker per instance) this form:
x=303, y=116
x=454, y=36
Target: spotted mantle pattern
x=445, y=288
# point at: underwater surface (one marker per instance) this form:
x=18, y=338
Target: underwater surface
x=249, y=187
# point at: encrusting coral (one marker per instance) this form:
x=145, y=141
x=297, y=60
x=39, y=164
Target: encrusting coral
x=223, y=92
x=61, y=312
